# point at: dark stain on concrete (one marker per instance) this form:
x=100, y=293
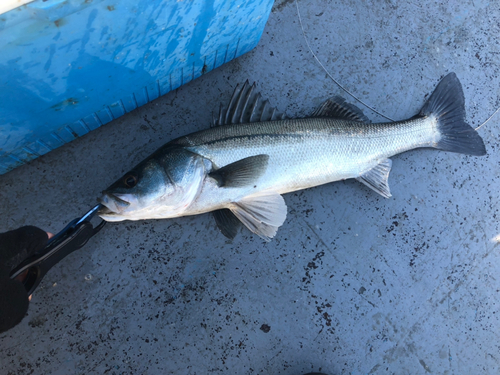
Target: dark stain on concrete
x=265, y=328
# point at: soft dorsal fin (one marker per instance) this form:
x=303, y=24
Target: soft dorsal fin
x=246, y=105
x=377, y=178
x=337, y=107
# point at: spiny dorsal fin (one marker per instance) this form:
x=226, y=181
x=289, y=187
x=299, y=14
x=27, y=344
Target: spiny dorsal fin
x=337, y=107
x=377, y=178
x=243, y=172
x=246, y=105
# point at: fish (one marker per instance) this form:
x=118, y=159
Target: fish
x=239, y=168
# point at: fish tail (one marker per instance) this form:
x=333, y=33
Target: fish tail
x=447, y=105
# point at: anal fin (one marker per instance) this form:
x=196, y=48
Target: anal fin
x=261, y=213
x=377, y=178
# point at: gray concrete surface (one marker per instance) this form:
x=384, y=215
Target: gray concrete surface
x=352, y=284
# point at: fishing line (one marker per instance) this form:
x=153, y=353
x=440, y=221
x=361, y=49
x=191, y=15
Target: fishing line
x=347, y=91
x=489, y=118
x=328, y=73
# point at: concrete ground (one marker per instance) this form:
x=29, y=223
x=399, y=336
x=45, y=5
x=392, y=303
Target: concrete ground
x=352, y=284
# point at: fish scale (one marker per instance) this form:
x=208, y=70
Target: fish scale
x=313, y=151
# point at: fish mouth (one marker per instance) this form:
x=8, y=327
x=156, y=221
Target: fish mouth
x=111, y=204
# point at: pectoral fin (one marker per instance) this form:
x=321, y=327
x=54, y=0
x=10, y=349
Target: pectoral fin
x=261, y=213
x=242, y=172
x=377, y=178
x=228, y=223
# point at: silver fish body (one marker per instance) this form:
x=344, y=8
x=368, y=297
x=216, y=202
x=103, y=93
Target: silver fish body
x=239, y=170
x=304, y=152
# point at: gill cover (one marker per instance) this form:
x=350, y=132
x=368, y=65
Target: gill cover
x=161, y=186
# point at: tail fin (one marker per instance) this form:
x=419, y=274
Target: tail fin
x=447, y=104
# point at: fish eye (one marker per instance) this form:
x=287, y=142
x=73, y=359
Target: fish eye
x=130, y=180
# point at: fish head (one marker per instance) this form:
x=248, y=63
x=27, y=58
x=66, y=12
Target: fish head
x=161, y=186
